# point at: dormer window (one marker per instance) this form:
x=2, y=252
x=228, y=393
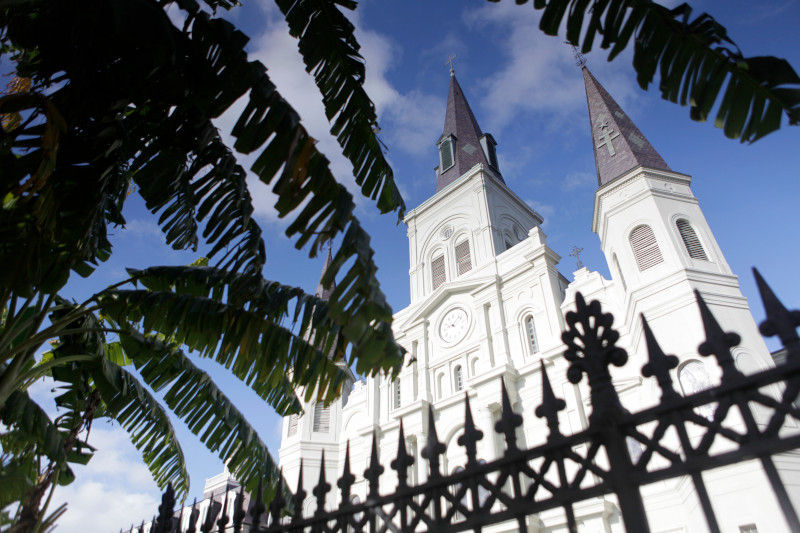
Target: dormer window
x=446, y=153
x=488, y=144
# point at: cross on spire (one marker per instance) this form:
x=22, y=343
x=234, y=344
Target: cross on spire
x=450, y=61
x=576, y=253
x=607, y=134
x=580, y=59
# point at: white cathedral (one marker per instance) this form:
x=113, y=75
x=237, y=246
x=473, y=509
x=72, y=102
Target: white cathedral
x=488, y=302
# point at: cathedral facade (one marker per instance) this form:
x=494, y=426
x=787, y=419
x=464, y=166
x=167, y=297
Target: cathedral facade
x=488, y=303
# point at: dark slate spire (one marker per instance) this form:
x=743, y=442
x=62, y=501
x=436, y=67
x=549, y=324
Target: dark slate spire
x=618, y=144
x=470, y=145
x=322, y=292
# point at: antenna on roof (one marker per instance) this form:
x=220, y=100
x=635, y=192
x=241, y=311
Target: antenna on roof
x=580, y=59
x=450, y=62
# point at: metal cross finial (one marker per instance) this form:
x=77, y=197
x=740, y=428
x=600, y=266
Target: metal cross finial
x=580, y=59
x=576, y=253
x=606, y=135
x=450, y=62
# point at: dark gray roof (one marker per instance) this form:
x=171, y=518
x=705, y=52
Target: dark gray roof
x=322, y=292
x=618, y=144
x=460, y=123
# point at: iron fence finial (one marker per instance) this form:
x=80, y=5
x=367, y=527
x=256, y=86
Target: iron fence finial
x=509, y=420
x=780, y=321
x=659, y=364
x=403, y=460
x=433, y=449
x=275, y=506
x=373, y=473
x=322, y=488
x=718, y=342
x=346, y=481
x=471, y=435
x=258, y=508
x=298, y=497
x=550, y=405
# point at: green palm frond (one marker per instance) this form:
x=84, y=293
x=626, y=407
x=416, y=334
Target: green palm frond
x=27, y=419
x=192, y=395
x=695, y=59
x=258, y=351
x=330, y=51
x=332, y=325
x=145, y=420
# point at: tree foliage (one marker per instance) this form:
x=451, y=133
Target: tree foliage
x=115, y=112
x=697, y=62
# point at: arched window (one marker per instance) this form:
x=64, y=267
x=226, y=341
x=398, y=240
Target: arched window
x=530, y=335
x=619, y=271
x=508, y=240
x=693, y=377
x=438, y=273
x=690, y=241
x=458, y=378
x=322, y=418
x=645, y=247
x=292, y=425
x=397, y=400
x=458, y=515
x=463, y=259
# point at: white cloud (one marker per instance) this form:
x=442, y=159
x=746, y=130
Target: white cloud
x=144, y=228
x=113, y=491
x=539, y=74
x=409, y=120
x=577, y=180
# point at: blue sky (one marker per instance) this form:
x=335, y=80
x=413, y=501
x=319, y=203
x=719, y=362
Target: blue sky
x=524, y=89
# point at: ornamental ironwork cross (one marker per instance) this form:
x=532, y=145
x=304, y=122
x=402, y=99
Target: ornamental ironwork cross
x=576, y=253
x=450, y=61
x=607, y=135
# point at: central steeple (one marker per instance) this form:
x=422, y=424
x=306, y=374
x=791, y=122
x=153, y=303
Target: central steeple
x=462, y=145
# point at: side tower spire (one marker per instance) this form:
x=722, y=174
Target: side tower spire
x=462, y=144
x=618, y=144
x=322, y=291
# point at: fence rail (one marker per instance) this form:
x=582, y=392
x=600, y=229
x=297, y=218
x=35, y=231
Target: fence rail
x=744, y=417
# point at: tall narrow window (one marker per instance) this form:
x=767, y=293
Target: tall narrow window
x=322, y=418
x=292, y=425
x=619, y=271
x=438, y=273
x=396, y=392
x=446, y=154
x=693, y=246
x=458, y=378
x=463, y=259
x=530, y=333
x=645, y=247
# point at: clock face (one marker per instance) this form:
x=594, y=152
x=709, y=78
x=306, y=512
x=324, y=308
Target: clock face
x=454, y=325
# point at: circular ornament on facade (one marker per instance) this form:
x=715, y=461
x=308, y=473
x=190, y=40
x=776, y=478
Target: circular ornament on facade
x=446, y=232
x=454, y=325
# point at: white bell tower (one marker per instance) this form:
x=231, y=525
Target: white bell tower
x=657, y=242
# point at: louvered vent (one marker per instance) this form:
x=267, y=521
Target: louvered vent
x=690, y=240
x=458, y=378
x=397, y=398
x=530, y=331
x=292, y=425
x=463, y=259
x=645, y=247
x=438, y=272
x=322, y=418
x=446, y=154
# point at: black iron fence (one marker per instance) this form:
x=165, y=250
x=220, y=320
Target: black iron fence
x=618, y=453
